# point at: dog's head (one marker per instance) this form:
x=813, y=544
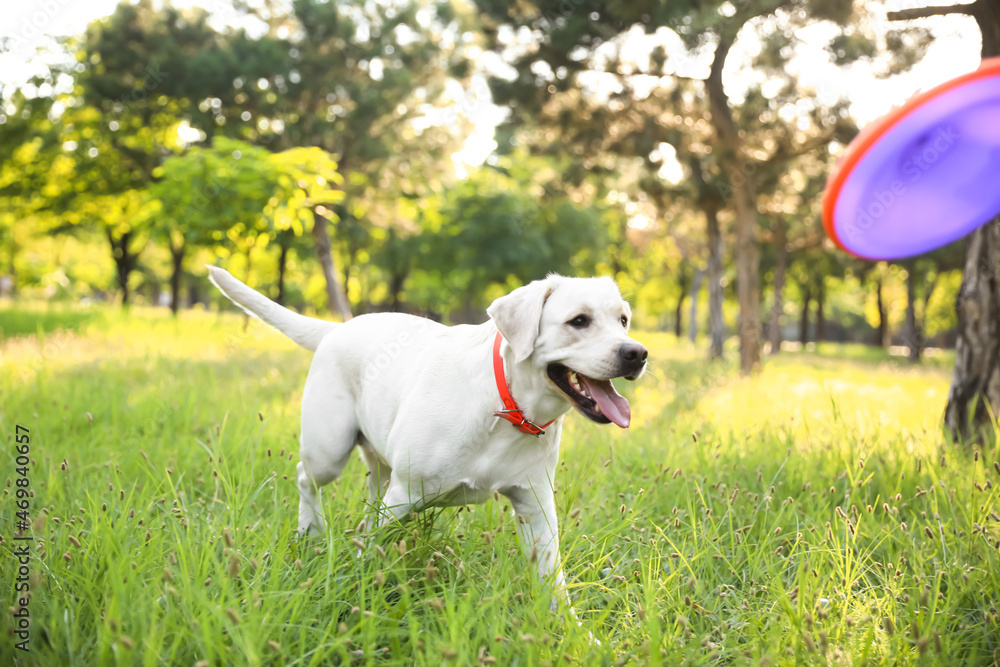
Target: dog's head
x=576, y=329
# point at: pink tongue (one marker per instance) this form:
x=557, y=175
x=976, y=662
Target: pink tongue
x=612, y=404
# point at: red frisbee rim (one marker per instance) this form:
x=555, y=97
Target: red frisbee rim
x=875, y=130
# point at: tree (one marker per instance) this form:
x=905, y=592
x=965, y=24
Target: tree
x=922, y=277
x=106, y=189
x=312, y=189
x=355, y=81
x=136, y=78
x=214, y=192
x=29, y=172
x=367, y=83
x=974, y=396
x=789, y=196
x=578, y=42
x=491, y=233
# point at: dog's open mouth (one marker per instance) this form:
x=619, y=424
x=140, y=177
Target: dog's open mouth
x=597, y=399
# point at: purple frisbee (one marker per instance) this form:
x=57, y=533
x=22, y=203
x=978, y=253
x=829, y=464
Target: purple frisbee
x=922, y=176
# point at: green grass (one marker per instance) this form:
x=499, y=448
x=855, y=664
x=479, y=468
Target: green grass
x=812, y=514
x=32, y=319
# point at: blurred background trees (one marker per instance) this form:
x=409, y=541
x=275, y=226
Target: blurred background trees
x=428, y=156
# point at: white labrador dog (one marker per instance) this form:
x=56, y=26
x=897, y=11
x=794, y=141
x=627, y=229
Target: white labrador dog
x=448, y=416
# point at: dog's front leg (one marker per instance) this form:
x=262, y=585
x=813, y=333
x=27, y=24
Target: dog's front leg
x=535, y=511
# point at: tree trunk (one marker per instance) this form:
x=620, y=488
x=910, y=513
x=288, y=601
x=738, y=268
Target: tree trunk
x=13, y=266
x=682, y=284
x=693, y=320
x=781, y=259
x=913, y=334
x=804, y=320
x=194, y=294
x=739, y=171
x=125, y=263
x=883, y=317
x=396, y=282
x=820, y=315
x=336, y=300
x=975, y=385
x=282, y=266
x=716, y=248
x=348, y=263
x=177, y=254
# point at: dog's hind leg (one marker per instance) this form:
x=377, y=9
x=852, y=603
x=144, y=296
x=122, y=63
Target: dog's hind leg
x=396, y=504
x=329, y=433
x=379, y=474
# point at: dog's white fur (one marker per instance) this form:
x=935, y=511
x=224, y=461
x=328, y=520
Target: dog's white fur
x=417, y=398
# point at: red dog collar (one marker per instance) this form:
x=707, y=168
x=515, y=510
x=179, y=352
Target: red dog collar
x=511, y=412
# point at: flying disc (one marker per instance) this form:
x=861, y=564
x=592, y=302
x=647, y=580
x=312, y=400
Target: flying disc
x=922, y=176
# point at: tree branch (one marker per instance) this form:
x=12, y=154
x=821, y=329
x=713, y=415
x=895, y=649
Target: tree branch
x=787, y=151
x=924, y=12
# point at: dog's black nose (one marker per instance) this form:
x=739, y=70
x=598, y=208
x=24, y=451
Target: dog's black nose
x=633, y=354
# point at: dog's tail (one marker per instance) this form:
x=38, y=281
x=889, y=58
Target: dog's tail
x=306, y=331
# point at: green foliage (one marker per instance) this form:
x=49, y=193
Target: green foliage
x=941, y=315
x=905, y=49
x=309, y=181
x=848, y=47
x=527, y=237
x=212, y=193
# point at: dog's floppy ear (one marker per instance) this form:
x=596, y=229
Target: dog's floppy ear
x=518, y=315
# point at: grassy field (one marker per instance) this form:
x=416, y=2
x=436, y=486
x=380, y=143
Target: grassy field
x=813, y=514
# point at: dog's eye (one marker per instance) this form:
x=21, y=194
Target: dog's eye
x=579, y=322
x=624, y=321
